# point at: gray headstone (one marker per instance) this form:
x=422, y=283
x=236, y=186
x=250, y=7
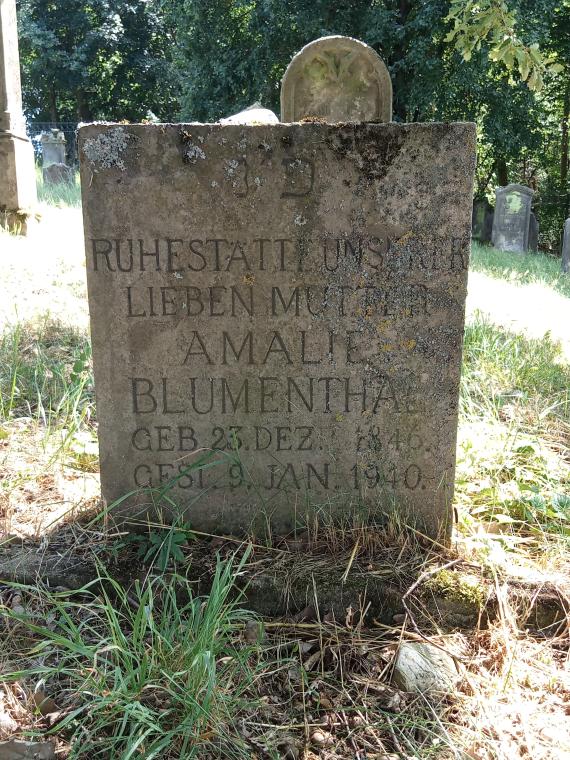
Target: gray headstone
x=533, y=231
x=17, y=170
x=511, y=223
x=482, y=221
x=566, y=248
x=55, y=174
x=288, y=297
x=336, y=79
x=53, y=148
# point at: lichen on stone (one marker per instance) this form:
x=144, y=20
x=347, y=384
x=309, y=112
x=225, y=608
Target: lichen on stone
x=105, y=150
x=192, y=153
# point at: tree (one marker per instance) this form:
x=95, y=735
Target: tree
x=102, y=60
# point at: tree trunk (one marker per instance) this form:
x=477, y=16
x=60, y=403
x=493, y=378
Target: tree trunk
x=53, y=114
x=564, y=194
x=502, y=172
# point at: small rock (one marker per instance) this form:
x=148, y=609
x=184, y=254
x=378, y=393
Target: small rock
x=322, y=738
x=254, y=631
x=422, y=667
x=17, y=749
x=7, y=723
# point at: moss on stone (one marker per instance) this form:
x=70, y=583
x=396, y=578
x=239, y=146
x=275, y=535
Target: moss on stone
x=456, y=586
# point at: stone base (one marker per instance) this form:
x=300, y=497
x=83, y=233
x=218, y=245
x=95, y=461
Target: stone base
x=18, y=173
x=289, y=583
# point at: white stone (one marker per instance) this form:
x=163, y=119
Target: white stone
x=254, y=114
x=422, y=667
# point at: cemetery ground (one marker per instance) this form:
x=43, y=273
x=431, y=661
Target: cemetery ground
x=115, y=646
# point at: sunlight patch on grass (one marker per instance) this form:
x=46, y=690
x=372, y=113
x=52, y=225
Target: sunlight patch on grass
x=520, y=268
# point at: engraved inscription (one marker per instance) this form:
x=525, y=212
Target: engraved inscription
x=277, y=328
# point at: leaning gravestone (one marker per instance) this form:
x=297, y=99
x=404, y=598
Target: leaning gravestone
x=287, y=299
x=511, y=223
x=566, y=248
x=336, y=79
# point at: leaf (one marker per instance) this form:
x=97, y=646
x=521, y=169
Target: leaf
x=524, y=67
x=504, y=519
x=556, y=68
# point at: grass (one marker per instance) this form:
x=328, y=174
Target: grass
x=514, y=461
x=520, y=268
x=45, y=373
x=153, y=672
x=60, y=195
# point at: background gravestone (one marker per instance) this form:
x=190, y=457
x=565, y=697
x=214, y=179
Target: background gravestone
x=511, y=222
x=482, y=222
x=17, y=169
x=55, y=174
x=336, y=79
x=566, y=247
x=53, y=148
x=533, y=232
x=290, y=297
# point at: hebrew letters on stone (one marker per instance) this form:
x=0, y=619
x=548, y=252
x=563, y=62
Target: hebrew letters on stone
x=277, y=317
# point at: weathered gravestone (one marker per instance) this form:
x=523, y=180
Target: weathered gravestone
x=511, y=223
x=17, y=171
x=56, y=174
x=290, y=297
x=336, y=79
x=566, y=247
x=482, y=222
x=53, y=147
x=533, y=231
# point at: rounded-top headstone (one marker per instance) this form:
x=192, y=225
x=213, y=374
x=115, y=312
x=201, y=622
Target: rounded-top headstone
x=336, y=79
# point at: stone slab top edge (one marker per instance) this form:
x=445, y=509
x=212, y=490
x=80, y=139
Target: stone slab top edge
x=329, y=125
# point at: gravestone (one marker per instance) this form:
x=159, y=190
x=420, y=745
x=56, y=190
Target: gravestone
x=17, y=170
x=336, y=79
x=53, y=148
x=533, y=231
x=511, y=223
x=289, y=298
x=566, y=248
x=56, y=174
x=482, y=222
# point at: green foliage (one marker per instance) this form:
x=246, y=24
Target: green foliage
x=150, y=672
x=478, y=21
x=99, y=60
x=162, y=546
